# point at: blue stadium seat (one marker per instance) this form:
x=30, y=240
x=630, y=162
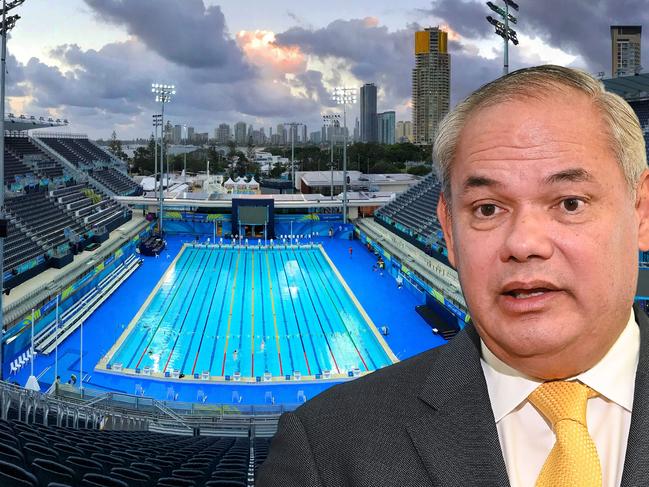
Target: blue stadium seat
x=14, y=476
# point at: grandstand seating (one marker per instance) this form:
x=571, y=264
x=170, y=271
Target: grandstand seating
x=14, y=167
x=87, y=147
x=36, y=455
x=19, y=247
x=641, y=109
x=413, y=213
x=43, y=218
x=117, y=182
x=103, y=212
x=78, y=151
x=20, y=147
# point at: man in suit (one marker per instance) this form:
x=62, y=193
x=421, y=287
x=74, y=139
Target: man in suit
x=544, y=206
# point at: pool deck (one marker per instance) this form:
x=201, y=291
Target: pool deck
x=384, y=303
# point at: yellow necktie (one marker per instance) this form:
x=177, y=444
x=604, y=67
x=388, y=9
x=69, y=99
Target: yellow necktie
x=573, y=461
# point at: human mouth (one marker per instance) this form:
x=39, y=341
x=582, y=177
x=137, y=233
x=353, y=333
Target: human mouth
x=528, y=296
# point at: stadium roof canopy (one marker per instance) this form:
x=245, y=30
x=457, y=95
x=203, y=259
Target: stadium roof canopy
x=631, y=88
x=24, y=122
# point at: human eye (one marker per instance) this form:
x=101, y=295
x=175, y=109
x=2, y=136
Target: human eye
x=572, y=205
x=486, y=210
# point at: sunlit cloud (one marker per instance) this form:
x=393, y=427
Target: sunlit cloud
x=260, y=49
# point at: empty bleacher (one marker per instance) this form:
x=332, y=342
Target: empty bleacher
x=117, y=182
x=66, y=152
x=413, y=214
x=44, y=219
x=14, y=167
x=91, y=206
x=19, y=248
x=86, y=147
x=36, y=455
x=21, y=148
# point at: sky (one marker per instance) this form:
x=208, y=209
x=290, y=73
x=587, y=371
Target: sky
x=264, y=63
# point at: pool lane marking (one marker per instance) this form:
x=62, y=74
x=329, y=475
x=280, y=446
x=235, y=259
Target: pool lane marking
x=272, y=305
x=288, y=285
x=189, y=307
x=175, y=292
x=281, y=302
x=227, y=333
x=292, y=254
x=209, y=310
x=317, y=262
x=317, y=315
x=183, y=255
x=224, y=295
x=252, y=332
x=204, y=295
x=379, y=338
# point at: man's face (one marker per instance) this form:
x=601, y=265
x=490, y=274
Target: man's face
x=544, y=233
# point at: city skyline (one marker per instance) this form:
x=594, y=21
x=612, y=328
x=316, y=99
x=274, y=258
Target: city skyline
x=264, y=66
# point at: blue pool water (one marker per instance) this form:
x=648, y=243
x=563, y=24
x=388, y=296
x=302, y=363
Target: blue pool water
x=249, y=312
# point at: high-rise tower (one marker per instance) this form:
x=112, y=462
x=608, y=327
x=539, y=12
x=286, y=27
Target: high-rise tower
x=369, y=120
x=431, y=79
x=625, y=50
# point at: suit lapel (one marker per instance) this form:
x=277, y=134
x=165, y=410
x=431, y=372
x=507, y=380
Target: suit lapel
x=636, y=462
x=455, y=434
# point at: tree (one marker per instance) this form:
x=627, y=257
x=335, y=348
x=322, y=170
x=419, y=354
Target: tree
x=115, y=147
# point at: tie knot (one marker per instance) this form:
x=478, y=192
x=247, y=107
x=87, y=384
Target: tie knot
x=560, y=400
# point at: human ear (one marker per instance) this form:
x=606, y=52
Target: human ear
x=444, y=217
x=642, y=211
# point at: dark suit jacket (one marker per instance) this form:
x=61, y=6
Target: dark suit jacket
x=426, y=421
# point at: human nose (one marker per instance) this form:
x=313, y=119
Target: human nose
x=528, y=236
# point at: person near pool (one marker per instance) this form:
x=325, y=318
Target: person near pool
x=544, y=207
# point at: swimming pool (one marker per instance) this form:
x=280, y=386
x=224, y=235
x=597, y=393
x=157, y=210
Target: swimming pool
x=250, y=314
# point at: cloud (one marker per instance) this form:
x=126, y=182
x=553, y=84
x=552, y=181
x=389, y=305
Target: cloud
x=260, y=48
x=371, y=53
x=184, y=32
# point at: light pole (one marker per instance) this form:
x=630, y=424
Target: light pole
x=344, y=96
x=502, y=29
x=293, y=126
x=8, y=23
x=157, y=122
x=162, y=95
x=333, y=121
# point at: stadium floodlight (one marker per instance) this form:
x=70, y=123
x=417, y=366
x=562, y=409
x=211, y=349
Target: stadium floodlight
x=344, y=96
x=332, y=120
x=512, y=4
x=8, y=23
x=157, y=122
x=501, y=12
x=163, y=94
x=502, y=28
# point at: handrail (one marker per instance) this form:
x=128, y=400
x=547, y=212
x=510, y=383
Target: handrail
x=170, y=413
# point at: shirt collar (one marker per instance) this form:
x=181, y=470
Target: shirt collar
x=613, y=377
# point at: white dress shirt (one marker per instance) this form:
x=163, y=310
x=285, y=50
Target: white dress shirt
x=526, y=437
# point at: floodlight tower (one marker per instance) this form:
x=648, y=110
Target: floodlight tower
x=157, y=122
x=8, y=23
x=502, y=29
x=333, y=121
x=293, y=126
x=162, y=95
x=345, y=96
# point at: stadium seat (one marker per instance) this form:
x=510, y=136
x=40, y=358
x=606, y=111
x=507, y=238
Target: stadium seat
x=132, y=477
x=108, y=461
x=14, y=476
x=175, y=482
x=66, y=451
x=47, y=471
x=33, y=451
x=98, y=480
x=83, y=466
x=183, y=473
x=148, y=468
